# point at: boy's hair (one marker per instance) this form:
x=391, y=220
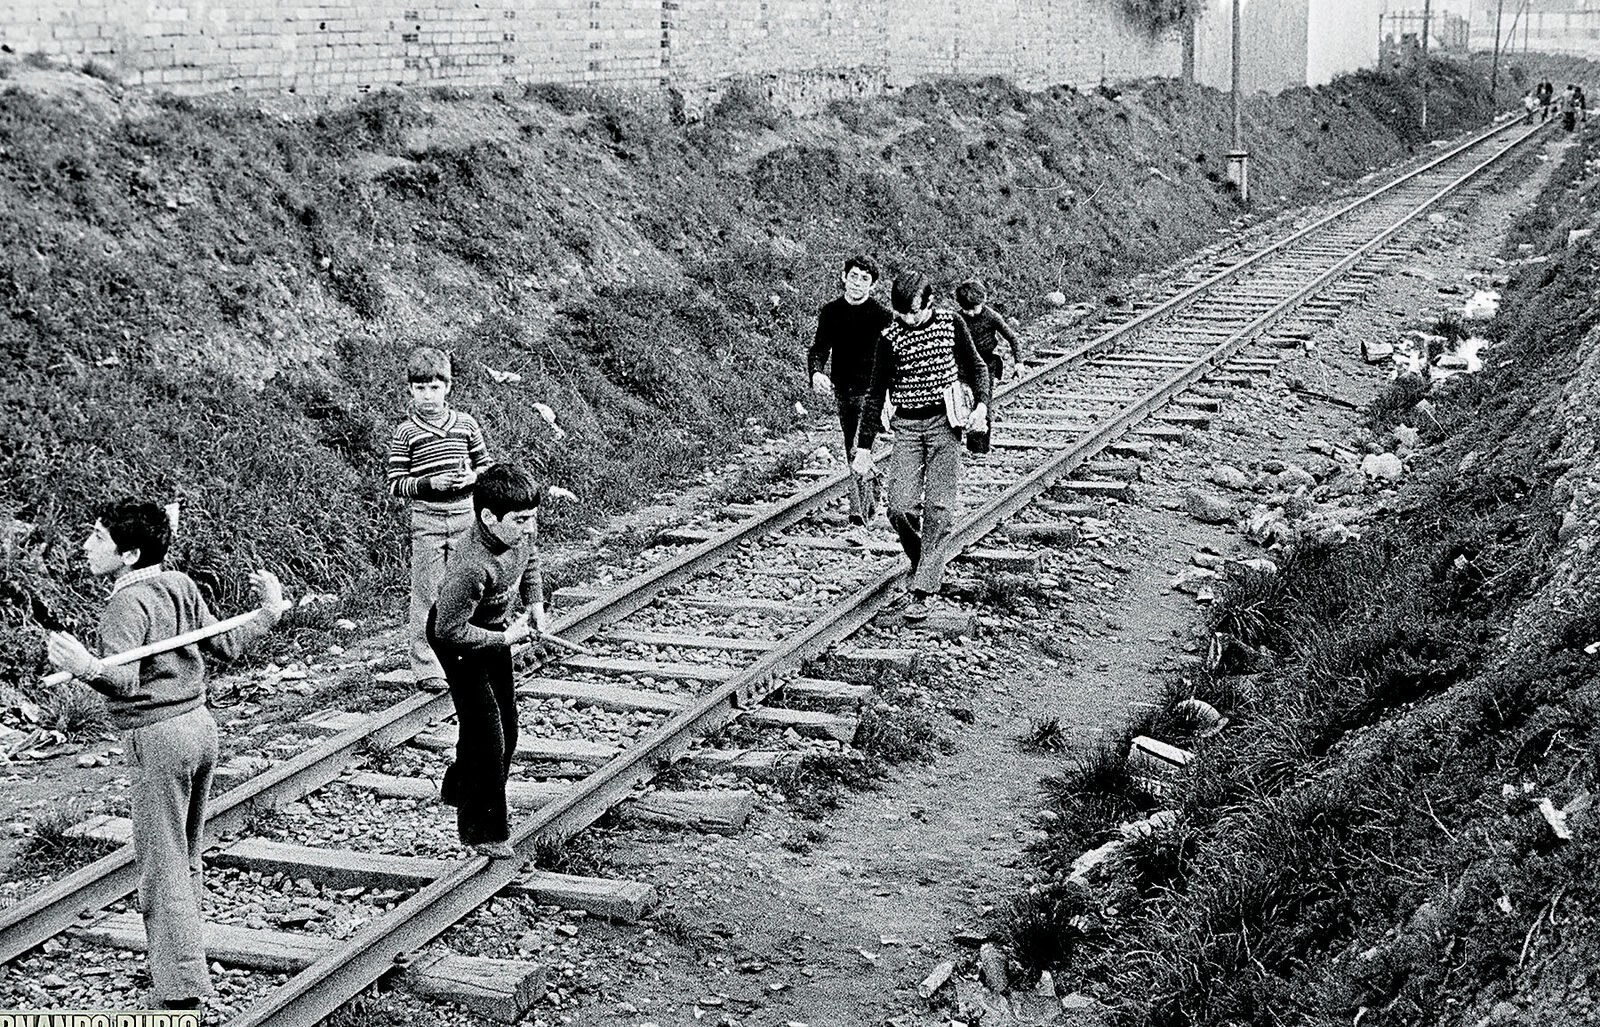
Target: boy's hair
x=427, y=364
x=908, y=289
x=865, y=263
x=502, y=488
x=971, y=293
x=144, y=526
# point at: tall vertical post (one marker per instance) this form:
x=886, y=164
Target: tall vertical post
x=1187, y=29
x=1494, y=68
x=1427, y=16
x=1238, y=157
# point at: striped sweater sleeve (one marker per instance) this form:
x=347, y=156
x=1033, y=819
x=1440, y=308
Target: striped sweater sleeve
x=402, y=482
x=477, y=447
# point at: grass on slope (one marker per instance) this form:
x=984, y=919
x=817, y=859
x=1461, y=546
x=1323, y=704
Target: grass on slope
x=1366, y=842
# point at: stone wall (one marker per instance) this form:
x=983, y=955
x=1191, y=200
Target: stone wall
x=805, y=52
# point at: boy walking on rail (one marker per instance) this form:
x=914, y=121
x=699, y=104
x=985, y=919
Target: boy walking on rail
x=472, y=634
x=435, y=456
x=987, y=327
x=848, y=328
x=923, y=359
x=159, y=702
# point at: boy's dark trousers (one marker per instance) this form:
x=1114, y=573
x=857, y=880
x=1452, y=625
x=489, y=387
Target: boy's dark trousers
x=486, y=711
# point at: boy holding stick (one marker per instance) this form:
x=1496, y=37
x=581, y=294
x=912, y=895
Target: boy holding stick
x=471, y=632
x=170, y=737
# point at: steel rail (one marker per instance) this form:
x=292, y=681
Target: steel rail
x=55, y=907
x=381, y=946
x=1188, y=296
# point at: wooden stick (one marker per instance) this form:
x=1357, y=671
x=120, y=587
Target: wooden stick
x=166, y=645
x=562, y=643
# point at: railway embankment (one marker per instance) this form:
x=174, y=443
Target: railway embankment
x=1395, y=825
x=210, y=300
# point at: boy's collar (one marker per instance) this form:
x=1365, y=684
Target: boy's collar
x=441, y=425
x=133, y=577
x=490, y=541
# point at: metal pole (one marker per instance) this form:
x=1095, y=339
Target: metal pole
x=1427, y=16
x=1238, y=124
x=1238, y=157
x=1494, y=68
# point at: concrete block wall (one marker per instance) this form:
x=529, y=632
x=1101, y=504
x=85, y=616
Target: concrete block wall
x=803, y=52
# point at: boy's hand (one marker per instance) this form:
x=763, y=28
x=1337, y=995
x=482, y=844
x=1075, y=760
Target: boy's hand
x=861, y=463
x=519, y=631
x=979, y=421
x=66, y=652
x=821, y=383
x=450, y=481
x=269, y=592
x=541, y=618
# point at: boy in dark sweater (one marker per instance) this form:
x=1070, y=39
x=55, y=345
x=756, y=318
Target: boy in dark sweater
x=471, y=631
x=987, y=327
x=920, y=355
x=848, y=328
x=169, y=735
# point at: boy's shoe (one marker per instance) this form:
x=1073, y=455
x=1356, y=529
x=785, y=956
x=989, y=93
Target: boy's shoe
x=152, y=1001
x=495, y=850
x=918, y=608
x=434, y=685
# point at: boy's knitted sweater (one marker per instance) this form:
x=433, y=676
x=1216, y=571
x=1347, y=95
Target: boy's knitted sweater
x=481, y=584
x=916, y=364
x=148, y=605
x=849, y=332
x=420, y=449
x=988, y=327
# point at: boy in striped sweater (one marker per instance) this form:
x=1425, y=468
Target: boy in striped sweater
x=919, y=355
x=435, y=455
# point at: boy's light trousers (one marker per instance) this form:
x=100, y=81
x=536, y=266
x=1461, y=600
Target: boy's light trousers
x=172, y=764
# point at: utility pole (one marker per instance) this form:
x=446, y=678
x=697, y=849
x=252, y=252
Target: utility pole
x=1188, y=42
x=1238, y=157
x=1427, y=16
x=1494, y=68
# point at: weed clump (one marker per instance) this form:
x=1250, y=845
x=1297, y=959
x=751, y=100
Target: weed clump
x=53, y=851
x=1375, y=829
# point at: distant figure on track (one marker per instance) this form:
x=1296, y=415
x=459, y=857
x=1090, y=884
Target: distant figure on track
x=159, y=703
x=987, y=327
x=471, y=632
x=435, y=455
x=1529, y=103
x=848, y=328
x=1570, y=104
x=920, y=356
x=1546, y=95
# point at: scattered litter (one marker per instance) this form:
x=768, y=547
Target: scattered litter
x=1557, y=818
x=1484, y=304
x=503, y=377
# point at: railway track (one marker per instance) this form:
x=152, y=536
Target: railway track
x=705, y=636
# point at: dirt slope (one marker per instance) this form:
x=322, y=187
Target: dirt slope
x=210, y=301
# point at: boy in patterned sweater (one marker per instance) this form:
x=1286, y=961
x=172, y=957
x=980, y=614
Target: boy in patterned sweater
x=159, y=703
x=435, y=455
x=920, y=355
